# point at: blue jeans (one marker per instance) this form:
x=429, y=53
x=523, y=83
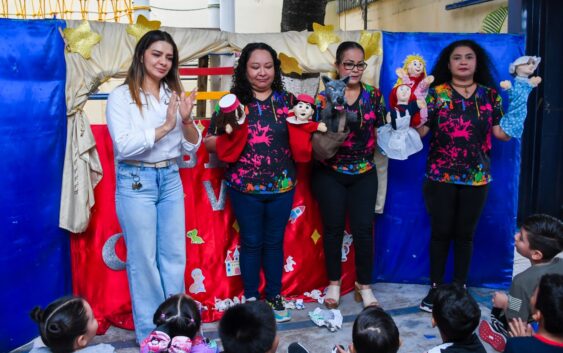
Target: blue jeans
x=262, y=219
x=152, y=219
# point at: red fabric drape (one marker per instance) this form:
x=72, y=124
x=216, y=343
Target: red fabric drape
x=212, y=238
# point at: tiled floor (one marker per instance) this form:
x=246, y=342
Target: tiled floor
x=400, y=300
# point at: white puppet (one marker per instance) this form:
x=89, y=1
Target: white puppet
x=397, y=139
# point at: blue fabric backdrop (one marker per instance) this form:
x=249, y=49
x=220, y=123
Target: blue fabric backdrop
x=35, y=261
x=403, y=231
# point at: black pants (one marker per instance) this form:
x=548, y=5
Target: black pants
x=340, y=194
x=454, y=212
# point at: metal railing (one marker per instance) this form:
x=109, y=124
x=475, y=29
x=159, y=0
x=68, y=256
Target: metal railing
x=345, y=5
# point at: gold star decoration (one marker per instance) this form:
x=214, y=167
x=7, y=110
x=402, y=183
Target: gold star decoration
x=315, y=236
x=322, y=36
x=371, y=42
x=142, y=26
x=236, y=227
x=289, y=64
x=81, y=39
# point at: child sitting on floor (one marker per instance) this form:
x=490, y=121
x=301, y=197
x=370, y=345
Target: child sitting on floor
x=457, y=315
x=547, y=303
x=373, y=331
x=67, y=325
x=249, y=328
x=540, y=239
x=178, y=324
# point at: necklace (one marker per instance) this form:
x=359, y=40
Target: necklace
x=465, y=87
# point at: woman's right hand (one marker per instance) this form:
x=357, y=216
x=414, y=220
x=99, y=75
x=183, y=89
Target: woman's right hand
x=172, y=112
x=171, y=118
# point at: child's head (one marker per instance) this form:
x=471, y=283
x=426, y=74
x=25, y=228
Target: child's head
x=540, y=238
x=249, y=328
x=178, y=316
x=455, y=312
x=375, y=331
x=66, y=325
x=548, y=301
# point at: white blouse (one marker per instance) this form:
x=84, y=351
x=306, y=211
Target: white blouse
x=133, y=132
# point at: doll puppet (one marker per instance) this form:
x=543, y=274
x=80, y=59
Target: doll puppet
x=413, y=73
x=513, y=121
x=301, y=127
x=397, y=139
x=231, y=129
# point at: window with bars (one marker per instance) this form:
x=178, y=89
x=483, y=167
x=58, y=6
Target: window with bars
x=345, y=5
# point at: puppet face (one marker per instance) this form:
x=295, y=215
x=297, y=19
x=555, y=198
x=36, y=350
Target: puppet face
x=525, y=70
x=403, y=94
x=415, y=68
x=303, y=111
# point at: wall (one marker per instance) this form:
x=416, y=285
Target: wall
x=420, y=16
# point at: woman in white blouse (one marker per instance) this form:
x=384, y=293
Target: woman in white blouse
x=149, y=120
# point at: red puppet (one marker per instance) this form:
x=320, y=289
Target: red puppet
x=232, y=129
x=301, y=128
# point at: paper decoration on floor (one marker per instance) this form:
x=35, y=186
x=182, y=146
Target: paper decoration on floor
x=315, y=294
x=315, y=236
x=81, y=39
x=224, y=304
x=323, y=36
x=346, y=243
x=371, y=44
x=296, y=304
x=197, y=286
x=289, y=263
x=332, y=318
x=142, y=26
x=195, y=239
x=232, y=263
x=295, y=213
x=289, y=64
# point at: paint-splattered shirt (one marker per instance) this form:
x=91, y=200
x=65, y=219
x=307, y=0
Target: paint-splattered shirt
x=461, y=131
x=265, y=165
x=355, y=155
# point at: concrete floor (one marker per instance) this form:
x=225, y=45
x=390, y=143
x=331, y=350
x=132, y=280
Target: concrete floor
x=400, y=300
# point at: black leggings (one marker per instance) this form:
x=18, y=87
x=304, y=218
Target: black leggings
x=339, y=194
x=454, y=212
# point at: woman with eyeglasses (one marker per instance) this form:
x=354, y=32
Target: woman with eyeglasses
x=346, y=184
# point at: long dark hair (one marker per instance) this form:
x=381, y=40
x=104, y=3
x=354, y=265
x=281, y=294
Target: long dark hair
x=136, y=73
x=483, y=70
x=61, y=322
x=241, y=87
x=178, y=316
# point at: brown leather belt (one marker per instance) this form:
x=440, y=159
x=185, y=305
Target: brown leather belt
x=161, y=164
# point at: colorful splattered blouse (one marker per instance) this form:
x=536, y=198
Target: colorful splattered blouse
x=355, y=155
x=265, y=165
x=461, y=130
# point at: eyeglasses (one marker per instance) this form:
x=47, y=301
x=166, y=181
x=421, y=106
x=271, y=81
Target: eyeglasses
x=361, y=66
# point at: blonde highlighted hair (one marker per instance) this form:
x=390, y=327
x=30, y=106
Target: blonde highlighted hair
x=409, y=59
